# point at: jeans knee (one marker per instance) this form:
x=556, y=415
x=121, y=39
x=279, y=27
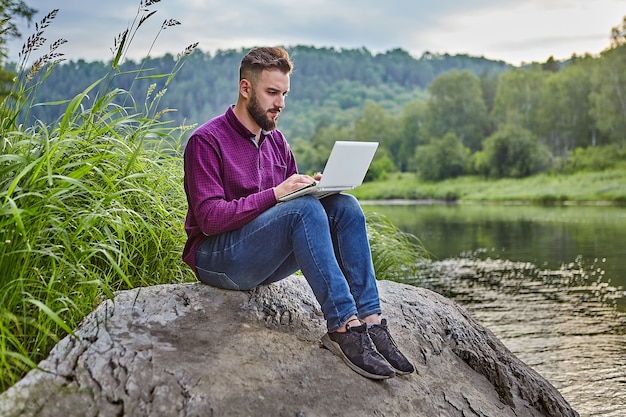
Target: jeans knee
x=353, y=205
x=347, y=205
x=307, y=206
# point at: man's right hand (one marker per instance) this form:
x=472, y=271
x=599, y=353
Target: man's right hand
x=293, y=183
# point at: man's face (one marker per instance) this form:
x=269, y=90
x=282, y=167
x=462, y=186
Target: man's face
x=267, y=98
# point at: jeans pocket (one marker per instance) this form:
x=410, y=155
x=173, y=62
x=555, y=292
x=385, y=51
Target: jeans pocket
x=216, y=279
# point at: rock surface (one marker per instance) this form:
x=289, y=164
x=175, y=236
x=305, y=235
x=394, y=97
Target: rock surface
x=193, y=350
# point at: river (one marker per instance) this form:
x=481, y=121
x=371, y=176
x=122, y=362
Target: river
x=548, y=281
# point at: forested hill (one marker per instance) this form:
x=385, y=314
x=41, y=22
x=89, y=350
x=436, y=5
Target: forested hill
x=328, y=86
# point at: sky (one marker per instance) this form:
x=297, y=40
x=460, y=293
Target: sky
x=516, y=32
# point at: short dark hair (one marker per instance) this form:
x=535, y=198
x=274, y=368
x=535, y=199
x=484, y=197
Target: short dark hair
x=265, y=58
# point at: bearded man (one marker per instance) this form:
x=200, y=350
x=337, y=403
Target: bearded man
x=237, y=166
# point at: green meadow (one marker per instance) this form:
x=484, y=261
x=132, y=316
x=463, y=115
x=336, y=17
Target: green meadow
x=584, y=187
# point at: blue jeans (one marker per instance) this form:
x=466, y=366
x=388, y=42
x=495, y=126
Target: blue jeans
x=326, y=239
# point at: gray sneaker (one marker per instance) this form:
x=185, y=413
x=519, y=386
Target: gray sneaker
x=387, y=347
x=358, y=352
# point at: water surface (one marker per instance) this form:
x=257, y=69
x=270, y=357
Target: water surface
x=548, y=281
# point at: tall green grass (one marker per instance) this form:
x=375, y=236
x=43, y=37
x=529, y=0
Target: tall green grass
x=94, y=203
x=90, y=205
x=395, y=254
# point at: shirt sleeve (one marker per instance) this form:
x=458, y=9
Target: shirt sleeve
x=206, y=194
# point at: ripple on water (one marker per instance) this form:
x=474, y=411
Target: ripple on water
x=564, y=323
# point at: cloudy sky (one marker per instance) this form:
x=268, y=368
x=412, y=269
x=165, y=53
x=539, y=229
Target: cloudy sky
x=514, y=31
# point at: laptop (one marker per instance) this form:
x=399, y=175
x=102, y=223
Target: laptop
x=345, y=169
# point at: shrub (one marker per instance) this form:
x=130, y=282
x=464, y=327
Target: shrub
x=441, y=159
x=381, y=167
x=511, y=152
x=594, y=158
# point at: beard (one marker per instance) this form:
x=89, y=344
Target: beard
x=259, y=114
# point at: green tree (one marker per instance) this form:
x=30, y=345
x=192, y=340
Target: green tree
x=518, y=99
x=373, y=125
x=409, y=135
x=608, y=99
x=489, y=87
x=551, y=65
x=456, y=106
x=618, y=34
x=381, y=166
x=10, y=12
x=513, y=152
x=565, y=121
x=442, y=158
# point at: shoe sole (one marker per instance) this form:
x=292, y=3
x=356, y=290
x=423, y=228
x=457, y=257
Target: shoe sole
x=399, y=372
x=334, y=348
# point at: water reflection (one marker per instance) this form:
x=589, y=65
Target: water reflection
x=546, y=236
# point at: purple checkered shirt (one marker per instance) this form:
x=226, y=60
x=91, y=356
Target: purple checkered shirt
x=229, y=179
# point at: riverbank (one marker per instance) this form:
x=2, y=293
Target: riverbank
x=597, y=187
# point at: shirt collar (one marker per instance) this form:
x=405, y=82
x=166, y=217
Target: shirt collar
x=236, y=124
x=242, y=130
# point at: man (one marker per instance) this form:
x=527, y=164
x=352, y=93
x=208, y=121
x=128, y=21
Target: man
x=237, y=166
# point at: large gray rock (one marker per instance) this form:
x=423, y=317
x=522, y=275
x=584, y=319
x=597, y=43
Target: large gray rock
x=192, y=350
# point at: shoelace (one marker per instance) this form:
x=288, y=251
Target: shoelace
x=386, y=331
x=367, y=343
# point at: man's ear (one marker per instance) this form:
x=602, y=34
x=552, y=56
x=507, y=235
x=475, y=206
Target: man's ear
x=245, y=88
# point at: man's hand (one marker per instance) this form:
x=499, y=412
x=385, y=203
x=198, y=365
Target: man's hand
x=293, y=183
